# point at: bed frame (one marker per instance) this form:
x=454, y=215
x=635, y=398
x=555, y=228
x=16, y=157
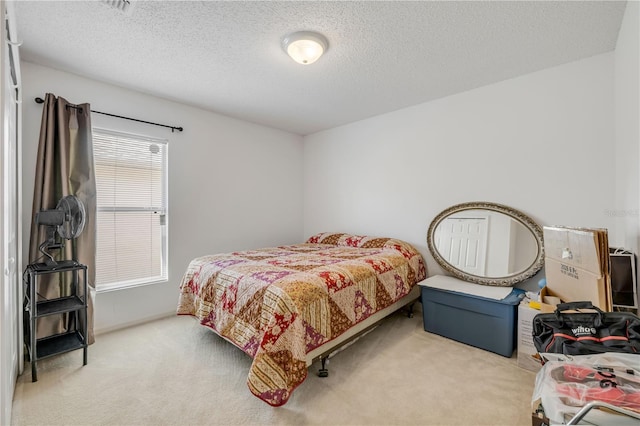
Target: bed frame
x=325, y=351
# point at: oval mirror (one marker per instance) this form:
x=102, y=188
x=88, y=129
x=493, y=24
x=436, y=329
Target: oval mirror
x=486, y=243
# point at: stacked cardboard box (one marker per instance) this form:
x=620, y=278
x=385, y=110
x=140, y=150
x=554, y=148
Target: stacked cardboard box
x=527, y=353
x=577, y=267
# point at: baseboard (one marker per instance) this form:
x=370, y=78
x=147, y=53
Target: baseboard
x=145, y=320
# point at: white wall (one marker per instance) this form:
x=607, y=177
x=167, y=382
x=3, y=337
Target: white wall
x=542, y=143
x=627, y=128
x=627, y=95
x=232, y=184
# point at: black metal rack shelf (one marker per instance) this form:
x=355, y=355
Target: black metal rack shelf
x=60, y=343
x=73, y=304
x=59, y=306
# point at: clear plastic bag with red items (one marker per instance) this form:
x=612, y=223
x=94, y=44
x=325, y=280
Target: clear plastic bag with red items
x=566, y=383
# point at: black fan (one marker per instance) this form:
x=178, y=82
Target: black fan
x=66, y=220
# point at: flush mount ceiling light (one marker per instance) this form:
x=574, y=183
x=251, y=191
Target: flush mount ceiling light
x=305, y=47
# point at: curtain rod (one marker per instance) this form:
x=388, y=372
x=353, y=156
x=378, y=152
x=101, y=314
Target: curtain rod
x=41, y=101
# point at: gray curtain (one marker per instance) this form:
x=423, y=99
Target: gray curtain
x=65, y=167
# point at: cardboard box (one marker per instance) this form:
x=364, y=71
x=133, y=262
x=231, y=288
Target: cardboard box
x=577, y=266
x=546, y=307
x=527, y=353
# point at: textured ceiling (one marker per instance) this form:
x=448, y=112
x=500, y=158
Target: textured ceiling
x=225, y=56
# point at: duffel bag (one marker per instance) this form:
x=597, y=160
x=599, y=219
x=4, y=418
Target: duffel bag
x=581, y=333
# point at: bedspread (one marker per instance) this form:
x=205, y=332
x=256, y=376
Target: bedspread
x=277, y=304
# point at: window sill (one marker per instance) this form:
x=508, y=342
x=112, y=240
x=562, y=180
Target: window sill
x=128, y=285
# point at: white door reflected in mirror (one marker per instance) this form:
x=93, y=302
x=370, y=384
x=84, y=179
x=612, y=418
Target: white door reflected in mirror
x=462, y=241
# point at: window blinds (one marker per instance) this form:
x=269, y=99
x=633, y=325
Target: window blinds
x=131, y=208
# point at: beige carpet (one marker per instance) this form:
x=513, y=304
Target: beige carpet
x=175, y=372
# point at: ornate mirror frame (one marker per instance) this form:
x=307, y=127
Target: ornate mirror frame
x=506, y=281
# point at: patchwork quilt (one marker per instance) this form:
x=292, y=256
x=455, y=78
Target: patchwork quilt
x=279, y=303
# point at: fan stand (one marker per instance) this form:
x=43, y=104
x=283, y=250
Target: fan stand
x=50, y=244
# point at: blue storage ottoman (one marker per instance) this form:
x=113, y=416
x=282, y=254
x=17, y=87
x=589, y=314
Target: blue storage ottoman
x=483, y=322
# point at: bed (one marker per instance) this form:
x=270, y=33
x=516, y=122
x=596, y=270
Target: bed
x=290, y=305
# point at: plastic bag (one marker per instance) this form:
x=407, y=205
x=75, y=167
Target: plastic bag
x=566, y=383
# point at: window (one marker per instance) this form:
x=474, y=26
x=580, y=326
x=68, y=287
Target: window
x=131, y=185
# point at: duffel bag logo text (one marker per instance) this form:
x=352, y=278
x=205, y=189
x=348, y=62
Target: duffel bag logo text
x=583, y=330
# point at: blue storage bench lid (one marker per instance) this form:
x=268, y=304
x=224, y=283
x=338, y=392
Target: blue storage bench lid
x=506, y=295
